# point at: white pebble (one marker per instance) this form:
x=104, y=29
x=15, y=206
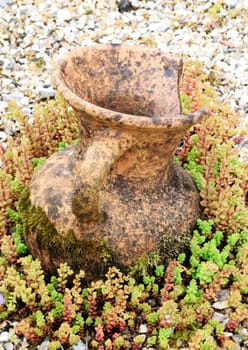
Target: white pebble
x=64, y=15
x=4, y=337
x=243, y=332
x=8, y=346
x=220, y=305
x=3, y=135
x=79, y=346
x=232, y=34
x=231, y=3
x=143, y=328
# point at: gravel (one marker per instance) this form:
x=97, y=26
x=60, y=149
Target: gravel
x=34, y=33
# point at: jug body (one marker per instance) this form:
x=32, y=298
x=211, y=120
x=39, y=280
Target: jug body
x=118, y=188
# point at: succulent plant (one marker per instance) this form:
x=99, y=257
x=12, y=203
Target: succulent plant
x=172, y=297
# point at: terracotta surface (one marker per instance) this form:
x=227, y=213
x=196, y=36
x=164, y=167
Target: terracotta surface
x=119, y=183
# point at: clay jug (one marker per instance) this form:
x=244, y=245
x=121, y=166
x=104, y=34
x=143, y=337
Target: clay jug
x=117, y=195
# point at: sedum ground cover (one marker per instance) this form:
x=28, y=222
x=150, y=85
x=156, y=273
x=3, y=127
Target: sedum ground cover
x=173, y=299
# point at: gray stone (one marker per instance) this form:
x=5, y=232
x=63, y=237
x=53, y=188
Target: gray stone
x=217, y=316
x=44, y=345
x=46, y=93
x=5, y=3
x=79, y=346
x=222, y=294
x=9, y=64
x=237, y=338
x=27, y=111
x=124, y=5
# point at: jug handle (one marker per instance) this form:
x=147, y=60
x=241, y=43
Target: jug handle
x=89, y=175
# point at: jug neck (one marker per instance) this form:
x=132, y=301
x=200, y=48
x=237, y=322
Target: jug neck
x=144, y=154
x=146, y=162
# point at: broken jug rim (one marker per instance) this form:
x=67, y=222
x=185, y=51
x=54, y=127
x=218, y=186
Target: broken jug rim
x=109, y=116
